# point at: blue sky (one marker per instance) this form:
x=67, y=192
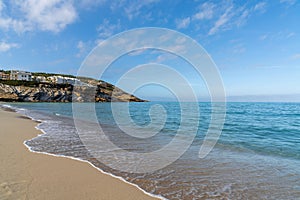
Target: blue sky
x=255, y=44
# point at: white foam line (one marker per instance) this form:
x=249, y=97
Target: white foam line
x=6, y=105
x=78, y=159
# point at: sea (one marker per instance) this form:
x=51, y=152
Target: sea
x=257, y=155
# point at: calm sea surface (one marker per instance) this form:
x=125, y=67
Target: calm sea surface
x=256, y=157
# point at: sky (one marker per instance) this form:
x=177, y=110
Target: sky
x=254, y=44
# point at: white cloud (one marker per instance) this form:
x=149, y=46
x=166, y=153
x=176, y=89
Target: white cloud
x=164, y=57
x=107, y=29
x=4, y=46
x=291, y=34
x=238, y=49
x=99, y=41
x=133, y=8
x=296, y=56
x=221, y=21
x=178, y=48
x=183, y=23
x=205, y=12
x=237, y=46
x=261, y=7
x=137, y=52
x=82, y=47
x=242, y=19
x=5, y=23
x=114, y=5
x=288, y=2
x=49, y=15
x=233, y=15
x=281, y=35
x=263, y=37
x=45, y=15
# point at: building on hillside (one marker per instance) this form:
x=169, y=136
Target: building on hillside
x=4, y=76
x=40, y=79
x=56, y=79
x=20, y=75
x=74, y=81
x=64, y=80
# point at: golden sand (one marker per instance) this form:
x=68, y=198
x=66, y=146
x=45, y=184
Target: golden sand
x=27, y=175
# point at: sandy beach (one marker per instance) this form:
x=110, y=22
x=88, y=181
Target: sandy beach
x=28, y=175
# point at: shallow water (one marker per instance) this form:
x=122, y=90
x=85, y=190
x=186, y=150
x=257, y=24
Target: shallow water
x=256, y=157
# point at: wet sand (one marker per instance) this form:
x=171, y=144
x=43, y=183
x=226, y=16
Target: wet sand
x=28, y=175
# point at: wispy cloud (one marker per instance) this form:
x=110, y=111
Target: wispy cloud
x=261, y=7
x=288, y=2
x=223, y=19
x=8, y=23
x=206, y=11
x=164, y=57
x=45, y=15
x=137, y=52
x=107, y=29
x=296, y=56
x=291, y=34
x=82, y=47
x=133, y=9
x=242, y=19
x=4, y=46
x=281, y=35
x=233, y=15
x=263, y=37
x=183, y=23
x=239, y=48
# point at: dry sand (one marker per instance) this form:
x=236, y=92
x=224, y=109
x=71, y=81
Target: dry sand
x=27, y=175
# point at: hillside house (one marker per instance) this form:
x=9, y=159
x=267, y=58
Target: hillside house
x=64, y=80
x=20, y=75
x=57, y=79
x=39, y=79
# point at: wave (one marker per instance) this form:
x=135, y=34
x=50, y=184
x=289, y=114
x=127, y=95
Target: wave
x=26, y=113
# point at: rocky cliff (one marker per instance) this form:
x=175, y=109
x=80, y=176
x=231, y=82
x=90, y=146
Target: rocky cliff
x=44, y=92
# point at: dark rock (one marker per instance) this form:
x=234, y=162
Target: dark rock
x=64, y=93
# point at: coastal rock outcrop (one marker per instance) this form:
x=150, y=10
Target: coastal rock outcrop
x=44, y=92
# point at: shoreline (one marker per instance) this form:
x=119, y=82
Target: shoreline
x=104, y=185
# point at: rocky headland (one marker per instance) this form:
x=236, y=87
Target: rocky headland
x=92, y=91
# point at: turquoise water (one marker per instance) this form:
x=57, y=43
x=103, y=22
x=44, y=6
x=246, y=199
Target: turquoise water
x=256, y=157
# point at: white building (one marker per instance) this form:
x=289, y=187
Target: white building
x=56, y=79
x=64, y=80
x=20, y=75
x=40, y=79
